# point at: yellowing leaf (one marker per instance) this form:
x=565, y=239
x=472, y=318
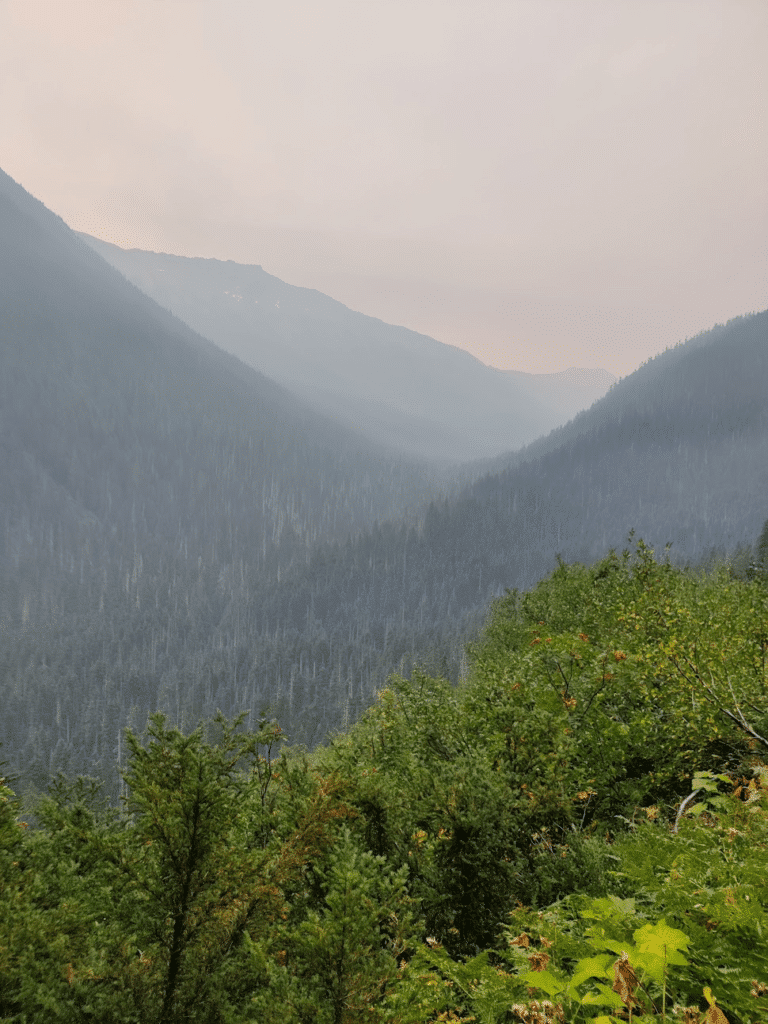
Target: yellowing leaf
x=661, y=941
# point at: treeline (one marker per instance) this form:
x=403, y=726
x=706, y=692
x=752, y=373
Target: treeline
x=576, y=832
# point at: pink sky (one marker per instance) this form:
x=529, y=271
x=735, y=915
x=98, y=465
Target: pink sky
x=546, y=183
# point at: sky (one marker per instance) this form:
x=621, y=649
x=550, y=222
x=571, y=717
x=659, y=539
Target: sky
x=545, y=183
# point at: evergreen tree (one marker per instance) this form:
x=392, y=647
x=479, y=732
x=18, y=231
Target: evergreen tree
x=343, y=956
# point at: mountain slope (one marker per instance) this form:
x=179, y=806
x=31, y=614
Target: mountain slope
x=314, y=642
x=117, y=402
x=676, y=452
x=398, y=387
x=132, y=450
x=161, y=507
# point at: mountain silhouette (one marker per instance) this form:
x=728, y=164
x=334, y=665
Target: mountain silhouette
x=396, y=386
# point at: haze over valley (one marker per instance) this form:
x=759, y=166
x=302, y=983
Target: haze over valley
x=400, y=388
x=181, y=532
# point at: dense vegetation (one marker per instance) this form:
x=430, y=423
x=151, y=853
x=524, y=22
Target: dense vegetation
x=520, y=847
x=211, y=581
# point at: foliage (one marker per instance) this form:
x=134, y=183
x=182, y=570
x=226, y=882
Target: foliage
x=693, y=926
x=342, y=952
x=177, y=534
x=464, y=792
x=577, y=832
x=53, y=899
x=661, y=671
x=758, y=566
x=144, y=917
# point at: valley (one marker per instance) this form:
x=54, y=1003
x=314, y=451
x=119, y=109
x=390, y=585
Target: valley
x=181, y=533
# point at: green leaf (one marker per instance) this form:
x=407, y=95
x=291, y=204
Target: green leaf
x=603, y=997
x=616, y=946
x=544, y=981
x=720, y=801
x=592, y=967
x=661, y=939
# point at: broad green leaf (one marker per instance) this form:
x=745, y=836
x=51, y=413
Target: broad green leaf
x=651, y=964
x=616, y=946
x=720, y=801
x=603, y=997
x=545, y=981
x=661, y=939
x=592, y=967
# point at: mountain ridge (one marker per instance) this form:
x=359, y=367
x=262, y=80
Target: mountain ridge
x=178, y=533
x=436, y=400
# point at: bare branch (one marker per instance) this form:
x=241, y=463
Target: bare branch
x=683, y=806
x=739, y=719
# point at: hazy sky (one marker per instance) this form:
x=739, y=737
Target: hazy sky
x=546, y=183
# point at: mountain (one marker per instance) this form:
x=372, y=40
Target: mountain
x=675, y=452
x=133, y=452
x=396, y=386
x=179, y=533
x=111, y=402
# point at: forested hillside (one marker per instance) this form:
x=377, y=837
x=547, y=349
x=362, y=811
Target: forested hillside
x=578, y=830
x=142, y=473
x=179, y=535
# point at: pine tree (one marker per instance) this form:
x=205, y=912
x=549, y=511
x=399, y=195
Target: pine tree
x=343, y=957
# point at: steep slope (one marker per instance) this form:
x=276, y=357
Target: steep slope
x=396, y=386
x=676, y=452
x=128, y=413
x=132, y=449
